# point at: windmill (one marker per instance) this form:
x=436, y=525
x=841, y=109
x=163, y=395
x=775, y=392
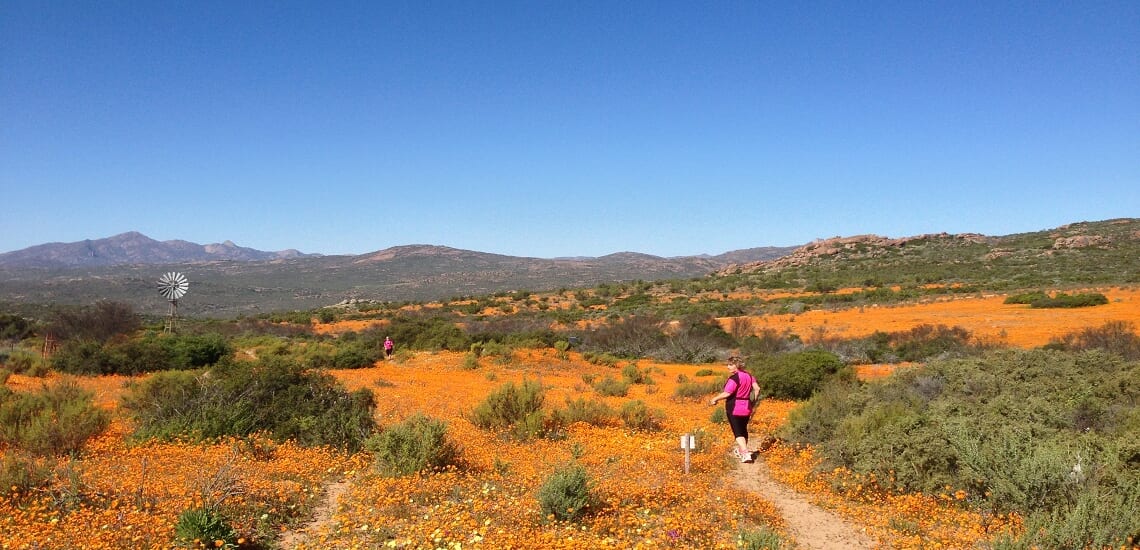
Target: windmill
x=172, y=286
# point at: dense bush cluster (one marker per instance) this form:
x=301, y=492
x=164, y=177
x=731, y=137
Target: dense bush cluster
x=274, y=396
x=150, y=353
x=797, y=375
x=1041, y=299
x=1056, y=433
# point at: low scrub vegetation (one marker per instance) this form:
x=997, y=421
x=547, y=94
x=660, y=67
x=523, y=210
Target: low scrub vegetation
x=417, y=444
x=1058, y=300
x=56, y=420
x=567, y=495
x=514, y=410
x=920, y=343
x=273, y=396
x=1042, y=431
x=1118, y=337
x=155, y=352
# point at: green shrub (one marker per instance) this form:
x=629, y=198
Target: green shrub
x=1047, y=434
x=56, y=420
x=630, y=337
x=611, y=387
x=151, y=353
x=1062, y=300
x=769, y=342
x=706, y=372
x=566, y=495
x=632, y=374
x=502, y=354
x=201, y=350
x=603, y=359
x=98, y=322
x=1095, y=519
x=15, y=328
x=637, y=416
x=205, y=525
x=1041, y=299
x=593, y=412
x=1026, y=298
x=427, y=333
x=562, y=347
x=797, y=375
x=21, y=362
x=417, y=444
x=471, y=361
x=697, y=390
x=271, y=395
x=1117, y=337
x=760, y=539
x=21, y=473
x=512, y=409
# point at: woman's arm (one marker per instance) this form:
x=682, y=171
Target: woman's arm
x=719, y=396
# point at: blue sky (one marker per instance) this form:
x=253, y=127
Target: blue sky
x=563, y=128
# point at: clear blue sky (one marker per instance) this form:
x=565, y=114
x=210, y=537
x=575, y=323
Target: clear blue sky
x=563, y=128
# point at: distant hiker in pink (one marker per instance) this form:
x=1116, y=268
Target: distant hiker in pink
x=388, y=347
x=737, y=390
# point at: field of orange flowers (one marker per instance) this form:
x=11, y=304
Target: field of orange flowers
x=120, y=494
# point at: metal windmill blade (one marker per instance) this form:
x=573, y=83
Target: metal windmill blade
x=173, y=285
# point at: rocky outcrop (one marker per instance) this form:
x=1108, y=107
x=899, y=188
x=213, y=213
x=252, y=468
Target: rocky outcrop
x=1081, y=241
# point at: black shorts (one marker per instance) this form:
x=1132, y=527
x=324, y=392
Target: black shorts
x=739, y=425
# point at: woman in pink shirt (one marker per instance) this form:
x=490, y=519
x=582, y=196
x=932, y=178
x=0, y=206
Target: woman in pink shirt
x=737, y=388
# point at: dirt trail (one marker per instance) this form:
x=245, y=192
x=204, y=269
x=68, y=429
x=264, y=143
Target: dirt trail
x=812, y=527
x=322, y=516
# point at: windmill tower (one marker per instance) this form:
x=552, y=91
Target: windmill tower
x=172, y=286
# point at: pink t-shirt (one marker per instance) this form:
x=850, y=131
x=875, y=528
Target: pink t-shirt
x=738, y=386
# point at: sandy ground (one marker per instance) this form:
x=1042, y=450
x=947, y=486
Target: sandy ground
x=810, y=526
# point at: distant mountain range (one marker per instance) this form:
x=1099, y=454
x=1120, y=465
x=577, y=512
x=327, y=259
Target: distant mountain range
x=134, y=248
x=227, y=279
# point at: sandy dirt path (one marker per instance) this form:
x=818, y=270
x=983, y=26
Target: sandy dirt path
x=322, y=516
x=812, y=527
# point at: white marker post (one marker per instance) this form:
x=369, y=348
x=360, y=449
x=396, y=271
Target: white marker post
x=688, y=443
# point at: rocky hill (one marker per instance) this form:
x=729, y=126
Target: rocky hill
x=1101, y=252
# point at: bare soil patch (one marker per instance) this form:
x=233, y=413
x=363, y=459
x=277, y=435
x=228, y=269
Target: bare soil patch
x=322, y=517
x=809, y=525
